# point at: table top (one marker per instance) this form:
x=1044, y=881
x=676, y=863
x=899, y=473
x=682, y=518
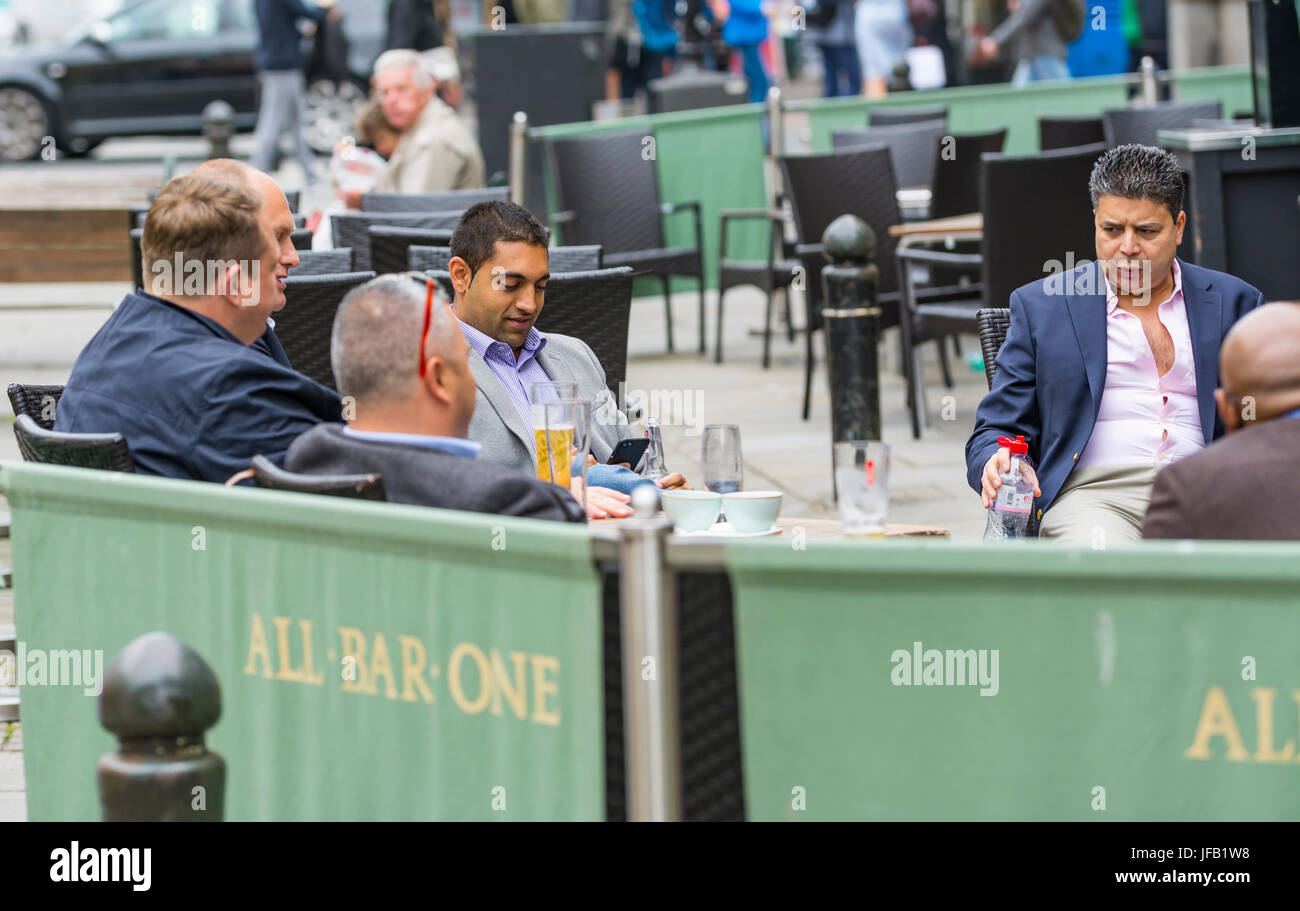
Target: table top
x=972, y=223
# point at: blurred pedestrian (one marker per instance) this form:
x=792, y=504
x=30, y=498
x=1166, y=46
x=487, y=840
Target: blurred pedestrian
x=440, y=63
x=1034, y=36
x=744, y=28
x=830, y=26
x=884, y=36
x=278, y=61
x=412, y=24
x=642, y=43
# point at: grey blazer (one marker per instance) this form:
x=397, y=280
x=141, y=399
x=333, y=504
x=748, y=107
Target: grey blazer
x=499, y=428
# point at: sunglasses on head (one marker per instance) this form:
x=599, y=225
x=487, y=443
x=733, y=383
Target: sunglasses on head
x=430, y=287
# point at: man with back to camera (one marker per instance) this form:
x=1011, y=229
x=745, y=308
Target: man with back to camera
x=499, y=268
x=1109, y=370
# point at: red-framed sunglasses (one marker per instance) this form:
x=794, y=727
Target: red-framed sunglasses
x=428, y=318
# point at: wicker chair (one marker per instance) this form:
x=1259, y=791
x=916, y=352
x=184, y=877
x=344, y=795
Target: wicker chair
x=955, y=187
x=36, y=402
x=352, y=229
x=883, y=117
x=913, y=147
x=563, y=259
x=301, y=238
x=608, y=192
x=106, y=451
x=323, y=262
x=1140, y=125
x=993, y=323
x=595, y=307
x=267, y=475
x=1065, y=132
x=390, y=247
x=768, y=274
x=137, y=258
x=307, y=320
x=430, y=202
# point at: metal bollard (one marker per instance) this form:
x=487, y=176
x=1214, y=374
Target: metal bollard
x=518, y=173
x=776, y=121
x=218, y=128
x=158, y=699
x=852, y=329
x=1150, y=88
x=651, y=720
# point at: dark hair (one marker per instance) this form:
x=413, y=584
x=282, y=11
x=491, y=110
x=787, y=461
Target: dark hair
x=1139, y=172
x=484, y=223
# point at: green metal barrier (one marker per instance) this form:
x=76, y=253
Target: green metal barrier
x=474, y=685
x=924, y=682
x=985, y=107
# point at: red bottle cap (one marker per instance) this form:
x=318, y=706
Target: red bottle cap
x=1018, y=446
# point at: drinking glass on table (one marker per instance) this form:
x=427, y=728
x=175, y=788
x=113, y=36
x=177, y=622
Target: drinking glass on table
x=541, y=393
x=723, y=467
x=562, y=438
x=862, y=482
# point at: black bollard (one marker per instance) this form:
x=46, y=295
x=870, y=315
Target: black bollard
x=218, y=128
x=158, y=698
x=852, y=329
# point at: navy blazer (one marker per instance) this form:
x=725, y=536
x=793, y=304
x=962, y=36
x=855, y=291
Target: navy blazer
x=190, y=398
x=1051, y=370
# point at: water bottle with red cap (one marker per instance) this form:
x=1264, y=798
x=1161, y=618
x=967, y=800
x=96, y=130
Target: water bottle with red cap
x=1009, y=514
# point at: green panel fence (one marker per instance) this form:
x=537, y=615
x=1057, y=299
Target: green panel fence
x=475, y=686
x=922, y=682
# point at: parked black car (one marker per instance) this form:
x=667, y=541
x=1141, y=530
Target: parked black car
x=152, y=67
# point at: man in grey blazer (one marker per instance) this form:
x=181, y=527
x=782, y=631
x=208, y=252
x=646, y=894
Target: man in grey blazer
x=408, y=410
x=499, y=268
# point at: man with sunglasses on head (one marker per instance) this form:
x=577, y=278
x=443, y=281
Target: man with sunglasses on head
x=499, y=268
x=402, y=366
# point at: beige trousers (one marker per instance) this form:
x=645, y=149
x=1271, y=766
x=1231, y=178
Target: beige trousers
x=1100, y=506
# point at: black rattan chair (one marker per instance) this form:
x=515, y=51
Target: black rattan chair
x=767, y=274
x=301, y=238
x=1140, y=125
x=37, y=402
x=883, y=117
x=390, y=247
x=137, y=258
x=307, y=320
x=267, y=475
x=323, y=262
x=913, y=147
x=352, y=229
x=106, y=451
x=562, y=259
x=593, y=306
x=445, y=201
x=1065, y=131
x=608, y=194
x=993, y=323
x=955, y=187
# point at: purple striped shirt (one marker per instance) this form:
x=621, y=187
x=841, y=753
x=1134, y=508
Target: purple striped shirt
x=516, y=376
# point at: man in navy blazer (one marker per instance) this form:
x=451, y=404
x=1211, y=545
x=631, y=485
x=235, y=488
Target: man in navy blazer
x=189, y=371
x=1109, y=370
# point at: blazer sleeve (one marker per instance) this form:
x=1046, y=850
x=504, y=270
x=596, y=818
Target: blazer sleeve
x=1167, y=515
x=1011, y=406
x=532, y=499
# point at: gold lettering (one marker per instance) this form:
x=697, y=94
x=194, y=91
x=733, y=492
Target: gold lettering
x=256, y=647
x=1217, y=720
x=543, y=687
x=287, y=672
x=516, y=692
x=353, y=643
x=1263, y=697
x=413, y=661
x=381, y=666
x=484, y=678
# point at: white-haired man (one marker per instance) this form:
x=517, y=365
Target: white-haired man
x=436, y=151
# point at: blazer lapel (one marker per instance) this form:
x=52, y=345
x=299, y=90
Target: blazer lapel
x=1088, y=314
x=496, y=395
x=1205, y=320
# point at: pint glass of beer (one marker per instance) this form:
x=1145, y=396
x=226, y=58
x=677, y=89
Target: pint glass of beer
x=561, y=438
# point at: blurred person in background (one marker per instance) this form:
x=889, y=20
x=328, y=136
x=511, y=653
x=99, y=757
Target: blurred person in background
x=884, y=35
x=830, y=26
x=374, y=130
x=642, y=44
x=278, y=60
x=412, y=25
x=440, y=63
x=744, y=28
x=1034, y=36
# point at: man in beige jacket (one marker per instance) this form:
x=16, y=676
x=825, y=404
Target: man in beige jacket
x=436, y=151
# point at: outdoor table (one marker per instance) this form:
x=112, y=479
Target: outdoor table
x=956, y=227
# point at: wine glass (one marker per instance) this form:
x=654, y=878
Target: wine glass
x=724, y=470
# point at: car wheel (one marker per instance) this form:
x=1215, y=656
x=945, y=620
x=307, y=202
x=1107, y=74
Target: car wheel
x=331, y=110
x=24, y=125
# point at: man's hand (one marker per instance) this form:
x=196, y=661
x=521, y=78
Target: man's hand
x=603, y=503
x=990, y=482
x=988, y=49
x=351, y=198
x=721, y=9
x=673, y=481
